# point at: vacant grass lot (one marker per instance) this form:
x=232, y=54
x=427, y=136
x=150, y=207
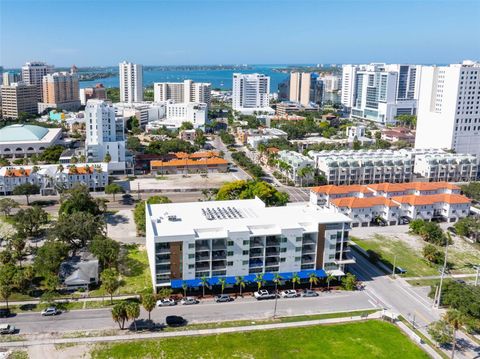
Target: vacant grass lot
x=369, y=339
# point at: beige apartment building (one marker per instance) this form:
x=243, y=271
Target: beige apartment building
x=60, y=90
x=17, y=98
x=300, y=87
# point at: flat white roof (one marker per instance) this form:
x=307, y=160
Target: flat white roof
x=214, y=219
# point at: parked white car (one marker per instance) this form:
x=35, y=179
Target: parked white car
x=289, y=293
x=166, y=302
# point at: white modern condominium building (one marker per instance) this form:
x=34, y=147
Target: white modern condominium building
x=380, y=92
x=187, y=241
x=449, y=108
x=251, y=93
x=180, y=92
x=450, y=167
x=177, y=113
x=131, y=82
x=105, y=135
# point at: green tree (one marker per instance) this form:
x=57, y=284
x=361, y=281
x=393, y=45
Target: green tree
x=119, y=314
x=295, y=280
x=203, y=283
x=52, y=154
x=18, y=244
x=107, y=158
x=26, y=189
x=440, y=332
x=78, y=199
x=106, y=250
x=432, y=254
x=7, y=205
x=222, y=282
x=51, y=282
x=276, y=280
x=259, y=280
x=165, y=293
x=472, y=190
x=468, y=227
x=110, y=282
x=133, y=312
x=328, y=279
x=186, y=126
x=313, y=280
x=149, y=301
x=113, y=189
x=349, y=282
x=7, y=275
x=139, y=211
x=455, y=320
x=29, y=221
x=133, y=143
x=240, y=282
x=49, y=257
x=251, y=189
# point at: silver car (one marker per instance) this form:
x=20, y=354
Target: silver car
x=189, y=301
x=166, y=302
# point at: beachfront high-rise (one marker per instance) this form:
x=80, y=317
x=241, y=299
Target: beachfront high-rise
x=380, y=92
x=182, y=92
x=32, y=74
x=131, y=82
x=449, y=108
x=251, y=93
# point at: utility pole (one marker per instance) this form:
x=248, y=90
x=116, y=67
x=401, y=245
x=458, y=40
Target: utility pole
x=138, y=190
x=443, y=271
x=394, y=265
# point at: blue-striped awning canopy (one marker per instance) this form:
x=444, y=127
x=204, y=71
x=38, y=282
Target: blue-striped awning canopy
x=197, y=282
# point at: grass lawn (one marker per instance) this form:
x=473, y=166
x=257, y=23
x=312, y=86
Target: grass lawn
x=407, y=257
x=369, y=339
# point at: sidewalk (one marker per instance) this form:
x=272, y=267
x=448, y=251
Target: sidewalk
x=70, y=299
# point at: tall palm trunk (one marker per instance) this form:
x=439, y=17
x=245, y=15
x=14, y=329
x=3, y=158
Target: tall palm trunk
x=454, y=343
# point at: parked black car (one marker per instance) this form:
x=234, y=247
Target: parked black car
x=175, y=321
x=5, y=313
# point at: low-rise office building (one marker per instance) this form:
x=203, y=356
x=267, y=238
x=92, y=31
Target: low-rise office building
x=17, y=98
x=452, y=167
x=54, y=178
x=188, y=241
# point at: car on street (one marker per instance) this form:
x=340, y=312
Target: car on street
x=7, y=329
x=404, y=220
x=309, y=293
x=289, y=293
x=50, y=311
x=189, y=301
x=166, y=302
x=175, y=321
x=5, y=313
x=264, y=294
x=401, y=270
x=223, y=298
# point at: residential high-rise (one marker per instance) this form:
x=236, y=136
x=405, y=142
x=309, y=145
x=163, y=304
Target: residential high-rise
x=380, y=92
x=32, y=74
x=18, y=97
x=9, y=78
x=251, y=93
x=131, y=82
x=105, y=136
x=182, y=92
x=331, y=83
x=449, y=108
x=300, y=83
x=60, y=90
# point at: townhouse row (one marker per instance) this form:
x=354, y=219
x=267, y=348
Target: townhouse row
x=393, y=203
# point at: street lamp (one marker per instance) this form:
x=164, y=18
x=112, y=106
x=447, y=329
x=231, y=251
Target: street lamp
x=478, y=274
x=444, y=268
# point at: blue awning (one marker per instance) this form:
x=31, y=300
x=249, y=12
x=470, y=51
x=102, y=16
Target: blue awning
x=191, y=283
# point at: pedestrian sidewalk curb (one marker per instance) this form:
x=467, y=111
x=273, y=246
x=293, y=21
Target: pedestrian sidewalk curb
x=416, y=338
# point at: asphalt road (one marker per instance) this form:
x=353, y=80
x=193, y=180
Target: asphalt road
x=206, y=311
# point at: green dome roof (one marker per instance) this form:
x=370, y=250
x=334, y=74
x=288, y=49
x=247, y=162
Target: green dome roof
x=16, y=133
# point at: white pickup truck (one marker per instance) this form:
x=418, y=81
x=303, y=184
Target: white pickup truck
x=263, y=294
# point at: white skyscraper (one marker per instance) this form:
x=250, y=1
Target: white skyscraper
x=32, y=74
x=104, y=135
x=380, y=92
x=131, y=82
x=251, y=92
x=449, y=108
x=182, y=92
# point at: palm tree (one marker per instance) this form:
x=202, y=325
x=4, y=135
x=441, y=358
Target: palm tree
x=295, y=279
x=204, y=283
x=455, y=319
x=329, y=278
x=60, y=168
x=276, y=279
x=133, y=312
x=313, y=279
x=184, y=287
x=240, y=281
x=222, y=282
x=259, y=279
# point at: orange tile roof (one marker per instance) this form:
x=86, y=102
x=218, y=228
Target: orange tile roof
x=189, y=162
x=332, y=189
x=272, y=150
x=203, y=154
x=355, y=202
x=431, y=199
x=419, y=186
x=17, y=172
x=80, y=170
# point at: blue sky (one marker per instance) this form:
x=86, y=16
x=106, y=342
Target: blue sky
x=165, y=32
